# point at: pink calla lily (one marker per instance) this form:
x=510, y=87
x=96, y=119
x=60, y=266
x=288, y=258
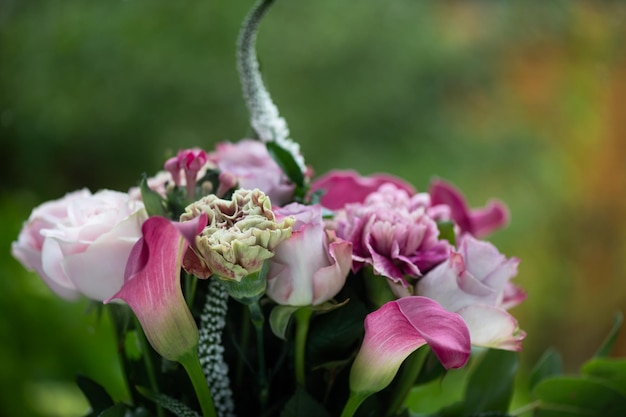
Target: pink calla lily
x=152, y=285
x=396, y=330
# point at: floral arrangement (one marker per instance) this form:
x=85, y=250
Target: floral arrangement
x=242, y=284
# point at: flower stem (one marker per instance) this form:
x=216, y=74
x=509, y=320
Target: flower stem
x=353, y=403
x=256, y=315
x=303, y=316
x=191, y=363
x=146, y=354
x=406, y=379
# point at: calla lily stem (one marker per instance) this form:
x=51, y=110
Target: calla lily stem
x=353, y=403
x=191, y=363
x=303, y=316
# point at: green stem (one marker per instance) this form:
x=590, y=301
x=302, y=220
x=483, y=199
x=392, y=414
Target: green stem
x=146, y=353
x=256, y=315
x=191, y=284
x=191, y=363
x=406, y=379
x=119, y=321
x=303, y=316
x=353, y=403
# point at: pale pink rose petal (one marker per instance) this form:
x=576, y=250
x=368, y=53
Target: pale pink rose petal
x=492, y=327
x=512, y=296
x=327, y=282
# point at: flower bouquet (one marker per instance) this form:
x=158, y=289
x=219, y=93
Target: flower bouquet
x=240, y=283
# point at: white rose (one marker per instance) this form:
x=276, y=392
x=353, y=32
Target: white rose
x=80, y=243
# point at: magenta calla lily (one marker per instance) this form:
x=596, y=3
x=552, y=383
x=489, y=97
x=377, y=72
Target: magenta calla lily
x=152, y=286
x=397, y=329
x=477, y=222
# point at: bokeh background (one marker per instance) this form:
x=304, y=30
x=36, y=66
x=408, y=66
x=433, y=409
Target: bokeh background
x=523, y=101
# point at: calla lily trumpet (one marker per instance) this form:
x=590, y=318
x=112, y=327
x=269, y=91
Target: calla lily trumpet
x=152, y=286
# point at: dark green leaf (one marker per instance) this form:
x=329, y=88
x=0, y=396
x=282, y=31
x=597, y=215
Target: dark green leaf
x=118, y=410
x=607, y=345
x=431, y=370
x=490, y=386
x=286, y=162
x=550, y=364
x=568, y=396
x=96, y=395
x=612, y=371
x=301, y=404
x=154, y=203
x=334, y=333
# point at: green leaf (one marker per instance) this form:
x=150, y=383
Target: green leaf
x=286, y=162
x=550, y=364
x=96, y=395
x=612, y=371
x=446, y=231
x=570, y=396
x=490, y=386
x=154, y=203
x=301, y=404
x=280, y=318
x=607, y=345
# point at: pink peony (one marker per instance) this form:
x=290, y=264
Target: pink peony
x=393, y=232
x=80, y=243
x=311, y=266
x=344, y=187
x=477, y=222
x=249, y=162
x=475, y=283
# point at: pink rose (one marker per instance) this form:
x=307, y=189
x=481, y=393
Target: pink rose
x=393, y=231
x=311, y=266
x=80, y=243
x=249, y=162
x=345, y=187
x=475, y=283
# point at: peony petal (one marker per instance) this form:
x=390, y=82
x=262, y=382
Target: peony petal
x=154, y=292
x=344, y=187
x=478, y=222
x=399, y=328
x=492, y=327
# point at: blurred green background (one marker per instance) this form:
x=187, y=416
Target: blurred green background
x=523, y=101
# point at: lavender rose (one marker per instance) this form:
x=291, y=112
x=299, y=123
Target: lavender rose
x=252, y=166
x=311, y=266
x=475, y=283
